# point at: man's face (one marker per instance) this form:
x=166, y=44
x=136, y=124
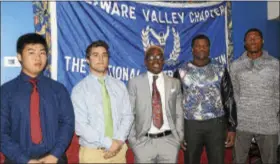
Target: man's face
x=33, y=59
x=98, y=60
x=253, y=42
x=201, y=49
x=154, y=61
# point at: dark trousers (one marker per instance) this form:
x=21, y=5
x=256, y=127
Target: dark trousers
x=62, y=160
x=209, y=133
x=278, y=154
x=267, y=145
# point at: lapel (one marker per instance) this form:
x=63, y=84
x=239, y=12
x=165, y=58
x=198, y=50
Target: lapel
x=167, y=87
x=146, y=100
x=146, y=90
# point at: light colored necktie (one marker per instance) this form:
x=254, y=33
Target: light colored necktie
x=106, y=109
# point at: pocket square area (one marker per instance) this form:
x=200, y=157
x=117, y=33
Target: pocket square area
x=173, y=90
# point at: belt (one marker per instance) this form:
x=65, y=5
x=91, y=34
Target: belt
x=100, y=148
x=158, y=135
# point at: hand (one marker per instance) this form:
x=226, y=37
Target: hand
x=34, y=161
x=116, y=144
x=114, y=149
x=48, y=159
x=184, y=145
x=109, y=154
x=230, y=139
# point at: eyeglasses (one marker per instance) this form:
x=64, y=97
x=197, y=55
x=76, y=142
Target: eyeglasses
x=154, y=58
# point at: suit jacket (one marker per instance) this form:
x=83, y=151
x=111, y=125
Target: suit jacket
x=140, y=98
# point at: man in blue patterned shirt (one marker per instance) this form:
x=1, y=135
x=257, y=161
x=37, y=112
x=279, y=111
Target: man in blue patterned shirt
x=103, y=115
x=208, y=103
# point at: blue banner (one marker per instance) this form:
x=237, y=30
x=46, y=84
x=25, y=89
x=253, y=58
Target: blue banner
x=130, y=28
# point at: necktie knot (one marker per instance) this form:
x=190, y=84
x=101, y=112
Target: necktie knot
x=155, y=78
x=33, y=82
x=101, y=81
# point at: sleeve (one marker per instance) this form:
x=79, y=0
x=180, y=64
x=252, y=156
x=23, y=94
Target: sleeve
x=132, y=98
x=235, y=84
x=126, y=116
x=276, y=91
x=82, y=126
x=228, y=101
x=179, y=112
x=66, y=123
x=9, y=147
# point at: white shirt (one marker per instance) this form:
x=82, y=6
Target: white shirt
x=160, y=87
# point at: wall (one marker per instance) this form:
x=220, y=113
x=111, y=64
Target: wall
x=247, y=15
x=16, y=19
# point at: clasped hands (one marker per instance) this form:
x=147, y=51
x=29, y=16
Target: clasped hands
x=114, y=149
x=46, y=159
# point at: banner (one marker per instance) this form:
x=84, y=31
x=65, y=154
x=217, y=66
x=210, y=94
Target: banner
x=130, y=28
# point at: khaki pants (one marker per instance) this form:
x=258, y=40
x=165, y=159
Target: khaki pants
x=92, y=155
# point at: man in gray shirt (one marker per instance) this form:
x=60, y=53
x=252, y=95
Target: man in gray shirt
x=255, y=78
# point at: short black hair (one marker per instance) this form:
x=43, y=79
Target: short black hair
x=30, y=38
x=201, y=36
x=98, y=43
x=253, y=30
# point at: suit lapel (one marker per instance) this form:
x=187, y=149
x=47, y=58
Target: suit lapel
x=167, y=86
x=146, y=89
x=147, y=100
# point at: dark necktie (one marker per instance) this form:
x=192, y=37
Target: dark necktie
x=157, y=106
x=35, y=123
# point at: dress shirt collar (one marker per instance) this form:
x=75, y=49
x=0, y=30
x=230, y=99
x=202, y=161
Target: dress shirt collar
x=96, y=77
x=150, y=75
x=258, y=63
x=25, y=77
x=262, y=57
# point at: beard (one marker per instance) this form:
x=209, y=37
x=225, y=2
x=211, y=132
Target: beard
x=253, y=49
x=201, y=55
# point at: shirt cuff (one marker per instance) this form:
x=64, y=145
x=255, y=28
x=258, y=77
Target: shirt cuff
x=57, y=153
x=122, y=139
x=23, y=159
x=107, y=142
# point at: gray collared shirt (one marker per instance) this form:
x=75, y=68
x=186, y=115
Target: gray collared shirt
x=256, y=91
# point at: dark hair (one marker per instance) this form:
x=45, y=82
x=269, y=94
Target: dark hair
x=253, y=30
x=200, y=36
x=30, y=38
x=98, y=43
